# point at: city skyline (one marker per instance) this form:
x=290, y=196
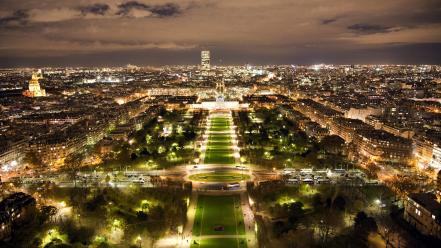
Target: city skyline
x=221, y=156
x=220, y=123
x=117, y=32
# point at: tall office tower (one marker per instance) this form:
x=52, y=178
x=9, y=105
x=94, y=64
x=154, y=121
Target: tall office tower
x=205, y=60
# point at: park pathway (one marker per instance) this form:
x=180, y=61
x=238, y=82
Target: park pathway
x=248, y=218
x=220, y=148
x=187, y=231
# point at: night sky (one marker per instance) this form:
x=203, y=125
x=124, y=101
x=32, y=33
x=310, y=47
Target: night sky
x=112, y=33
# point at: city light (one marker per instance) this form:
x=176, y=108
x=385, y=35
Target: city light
x=229, y=131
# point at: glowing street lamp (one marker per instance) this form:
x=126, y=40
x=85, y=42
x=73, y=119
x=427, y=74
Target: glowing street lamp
x=138, y=241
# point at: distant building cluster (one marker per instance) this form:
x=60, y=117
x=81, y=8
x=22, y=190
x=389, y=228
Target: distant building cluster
x=389, y=113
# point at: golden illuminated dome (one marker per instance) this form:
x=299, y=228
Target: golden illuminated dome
x=34, y=86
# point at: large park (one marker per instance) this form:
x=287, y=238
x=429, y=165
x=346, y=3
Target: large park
x=208, y=178
x=218, y=219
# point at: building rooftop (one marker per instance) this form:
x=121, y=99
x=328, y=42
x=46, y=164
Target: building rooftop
x=428, y=201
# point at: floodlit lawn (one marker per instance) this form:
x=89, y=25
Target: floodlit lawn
x=219, y=177
x=219, y=157
x=220, y=243
x=220, y=146
x=219, y=141
x=219, y=150
x=219, y=120
x=220, y=124
x=218, y=211
x=219, y=137
x=219, y=129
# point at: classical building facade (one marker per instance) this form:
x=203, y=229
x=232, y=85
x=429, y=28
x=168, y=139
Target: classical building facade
x=34, y=89
x=423, y=211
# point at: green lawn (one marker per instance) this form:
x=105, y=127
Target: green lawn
x=220, y=243
x=219, y=157
x=223, y=213
x=219, y=177
x=219, y=128
x=220, y=146
x=215, y=211
x=219, y=149
x=219, y=124
x=219, y=138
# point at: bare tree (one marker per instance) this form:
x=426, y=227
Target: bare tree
x=73, y=164
x=33, y=159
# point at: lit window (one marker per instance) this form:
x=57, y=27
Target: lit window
x=418, y=212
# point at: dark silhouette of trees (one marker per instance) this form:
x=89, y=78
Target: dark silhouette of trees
x=33, y=159
x=372, y=170
x=317, y=201
x=332, y=144
x=339, y=203
x=73, y=164
x=364, y=224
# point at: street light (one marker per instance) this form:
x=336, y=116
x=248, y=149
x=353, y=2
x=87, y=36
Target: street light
x=139, y=241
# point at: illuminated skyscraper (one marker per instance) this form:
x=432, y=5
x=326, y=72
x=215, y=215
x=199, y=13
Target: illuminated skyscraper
x=34, y=86
x=205, y=60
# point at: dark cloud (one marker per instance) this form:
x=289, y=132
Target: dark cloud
x=125, y=8
x=430, y=13
x=96, y=9
x=173, y=31
x=168, y=9
x=365, y=28
x=428, y=16
x=19, y=17
x=328, y=21
x=164, y=10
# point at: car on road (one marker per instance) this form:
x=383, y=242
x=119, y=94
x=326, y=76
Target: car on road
x=339, y=171
x=308, y=181
x=292, y=181
x=324, y=180
x=288, y=171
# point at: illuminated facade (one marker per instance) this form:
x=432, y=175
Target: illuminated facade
x=11, y=155
x=34, y=86
x=422, y=211
x=205, y=60
x=220, y=105
x=382, y=147
x=427, y=153
x=436, y=157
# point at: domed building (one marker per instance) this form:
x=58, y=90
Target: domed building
x=34, y=86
